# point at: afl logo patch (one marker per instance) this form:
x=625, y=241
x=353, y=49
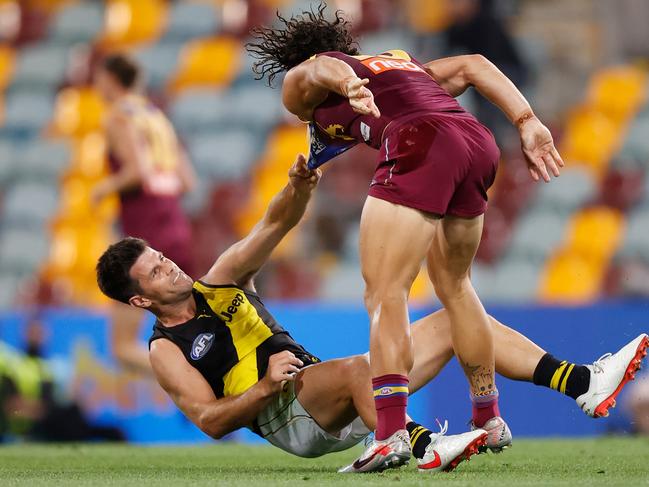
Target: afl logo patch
x=201, y=345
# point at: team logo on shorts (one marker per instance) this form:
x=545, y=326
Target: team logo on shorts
x=202, y=343
x=382, y=64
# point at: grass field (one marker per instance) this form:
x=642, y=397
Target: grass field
x=605, y=461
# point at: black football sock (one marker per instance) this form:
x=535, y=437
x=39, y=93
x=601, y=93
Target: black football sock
x=567, y=378
x=419, y=439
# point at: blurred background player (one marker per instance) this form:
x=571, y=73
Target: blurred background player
x=149, y=172
x=428, y=195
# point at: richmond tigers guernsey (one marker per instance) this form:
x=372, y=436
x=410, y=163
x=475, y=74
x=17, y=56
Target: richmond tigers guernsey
x=230, y=339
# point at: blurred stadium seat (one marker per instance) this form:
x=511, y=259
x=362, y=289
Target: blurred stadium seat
x=132, y=22
x=210, y=62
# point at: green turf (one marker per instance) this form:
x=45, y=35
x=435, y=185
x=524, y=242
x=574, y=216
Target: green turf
x=604, y=461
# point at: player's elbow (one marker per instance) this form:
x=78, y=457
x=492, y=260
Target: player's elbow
x=210, y=428
x=474, y=65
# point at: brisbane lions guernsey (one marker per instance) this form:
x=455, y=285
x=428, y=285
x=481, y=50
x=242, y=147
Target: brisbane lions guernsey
x=230, y=339
x=401, y=87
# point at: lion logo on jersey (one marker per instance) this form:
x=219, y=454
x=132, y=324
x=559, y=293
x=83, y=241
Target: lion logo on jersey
x=202, y=344
x=337, y=131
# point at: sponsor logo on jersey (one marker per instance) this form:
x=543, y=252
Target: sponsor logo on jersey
x=380, y=65
x=202, y=344
x=365, y=131
x=229, y=313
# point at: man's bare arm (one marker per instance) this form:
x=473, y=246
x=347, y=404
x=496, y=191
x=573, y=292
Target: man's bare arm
x=123, y=136
x=239, y=263
x=309, y=83
x=192, y=394
x=456, y=74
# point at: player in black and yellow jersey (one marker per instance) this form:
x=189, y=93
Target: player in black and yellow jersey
x=228, y=364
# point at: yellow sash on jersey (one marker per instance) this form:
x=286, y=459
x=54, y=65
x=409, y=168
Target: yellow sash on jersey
x=248, y=331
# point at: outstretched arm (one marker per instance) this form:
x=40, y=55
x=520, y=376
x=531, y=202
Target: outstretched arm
x=309, y=83
x=239, y=263
x=456, y=74
x=194, y=397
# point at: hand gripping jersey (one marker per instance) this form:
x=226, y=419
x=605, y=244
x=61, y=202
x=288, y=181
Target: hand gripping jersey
x=230, y=339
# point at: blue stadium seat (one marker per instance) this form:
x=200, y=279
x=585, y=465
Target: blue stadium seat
x=78, y=22
x=537, y=233
x=636, y=240
x=27, y=110
x=198, y=110
x=513, y=280
x=29, y=204
x=636, y=144
x=254, y=106
x=42, y=159
x=191, y=19
x=159, y=62
x=7, y=156
x=575, y=187
x=10, y=284
x=22, y=250
x=379, y=42
x=226, y=154
x=344, y=284
x=41, y=65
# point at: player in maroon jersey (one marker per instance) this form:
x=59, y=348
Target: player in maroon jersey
x=427, y=197
x=149, y=172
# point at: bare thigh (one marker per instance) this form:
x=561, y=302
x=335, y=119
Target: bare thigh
x=335, y=392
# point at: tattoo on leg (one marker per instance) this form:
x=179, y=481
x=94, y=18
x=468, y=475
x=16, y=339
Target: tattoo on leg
x=481, y=378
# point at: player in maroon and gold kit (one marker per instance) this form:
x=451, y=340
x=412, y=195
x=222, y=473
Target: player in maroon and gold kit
x=426, y=200
x=149, y=172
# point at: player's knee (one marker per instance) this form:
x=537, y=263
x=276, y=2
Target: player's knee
x=385, y=296
x=450, y=290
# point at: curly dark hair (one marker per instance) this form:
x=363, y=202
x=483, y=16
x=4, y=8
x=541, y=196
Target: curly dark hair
x=301, y=37
x=114, y=266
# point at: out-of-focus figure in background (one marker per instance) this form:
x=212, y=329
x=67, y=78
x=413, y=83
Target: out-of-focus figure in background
x=638, y=405
x=34, y=404
x=149, y=171
x=477, y=29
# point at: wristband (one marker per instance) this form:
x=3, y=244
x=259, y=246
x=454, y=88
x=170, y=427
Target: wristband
x=526, y=116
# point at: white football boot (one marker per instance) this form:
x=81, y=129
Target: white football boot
x=445, y=453
x=393, y=452
x=499, y=436
x=609, y=374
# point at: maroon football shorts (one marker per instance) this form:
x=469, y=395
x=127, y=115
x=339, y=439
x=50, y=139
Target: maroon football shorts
x=441, y=163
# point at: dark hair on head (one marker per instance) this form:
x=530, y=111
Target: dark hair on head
x=114, y=266
x=123, y=68
x=297, y=40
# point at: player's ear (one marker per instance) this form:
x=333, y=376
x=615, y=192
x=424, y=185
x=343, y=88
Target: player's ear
x=139, y=301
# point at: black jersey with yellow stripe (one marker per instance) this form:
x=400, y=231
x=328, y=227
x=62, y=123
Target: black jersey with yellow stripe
x=231, y=338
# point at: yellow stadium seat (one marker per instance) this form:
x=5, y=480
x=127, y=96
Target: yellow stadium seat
x=208, y=62
x=270, y=176
x=590, y=139
x=131, y=22
x=618, y=91
x=78, y=111
x=7, y=58
x=428, y=15
x=596, y=232
x=576, y=272
x=572, y=278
